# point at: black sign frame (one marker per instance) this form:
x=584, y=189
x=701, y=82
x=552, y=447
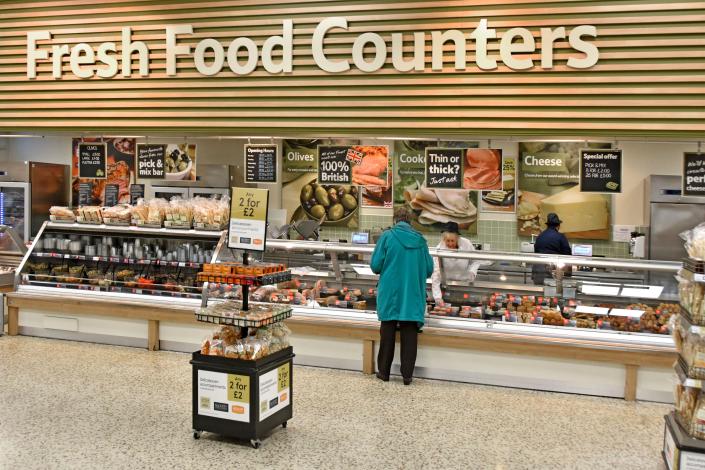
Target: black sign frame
x=102, y=147
x=341, y=152
x=585, y=184
x=692, y=157
x=138, y=176
x=457, y=153
x=112, y=191
x=137, y=190
x=253, y=161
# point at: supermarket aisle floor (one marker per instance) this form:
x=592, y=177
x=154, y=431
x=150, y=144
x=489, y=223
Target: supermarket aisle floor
x=70, y=405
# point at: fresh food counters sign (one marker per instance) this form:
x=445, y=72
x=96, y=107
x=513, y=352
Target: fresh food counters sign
x=242, y=56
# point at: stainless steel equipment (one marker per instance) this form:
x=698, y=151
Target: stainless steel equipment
x=668, y=214
x=28, y=190
x=212, y=180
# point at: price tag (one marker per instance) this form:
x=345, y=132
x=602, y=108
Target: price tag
x=92, y=161
x=333, y=165
x=136, y=193
x=248, y=219
x=239, y=388
x=151, y=161
x=699, y=277
x=283, y=377
x=85, y=194
x=182, y=265
x=444, y=168
x=601, y=171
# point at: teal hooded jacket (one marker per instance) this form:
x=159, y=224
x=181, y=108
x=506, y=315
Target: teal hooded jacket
x=402, y=260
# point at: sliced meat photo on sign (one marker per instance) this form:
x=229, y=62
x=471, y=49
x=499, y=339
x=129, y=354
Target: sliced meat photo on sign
x=483, y=169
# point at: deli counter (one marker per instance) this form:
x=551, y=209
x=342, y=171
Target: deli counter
x=600, y=326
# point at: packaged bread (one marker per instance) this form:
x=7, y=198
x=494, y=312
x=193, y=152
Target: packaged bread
x=178, y=213
x=120, y=214
x=690, y=343
x=140, y=212
x=695, y=242
x=90, y=214
x=61, y=214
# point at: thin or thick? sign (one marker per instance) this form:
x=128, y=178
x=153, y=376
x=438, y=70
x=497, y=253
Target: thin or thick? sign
x=444, y=168
x=693, y=174
x=601, y=171
x=333, y=165
x=112, y=194
x=261, y=163
x=92, y=160
x=150, y=161
x=248, y=219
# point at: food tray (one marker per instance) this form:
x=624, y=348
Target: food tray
x=62, y=220
x=177, y=225
x=82, y=221
x=242, y=321
x=115, y=222
x=244, y=279
x=138, y=223
x=210, y=227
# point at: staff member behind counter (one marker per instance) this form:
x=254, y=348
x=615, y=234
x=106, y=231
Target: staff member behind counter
x=453, y=269
x=550, y=242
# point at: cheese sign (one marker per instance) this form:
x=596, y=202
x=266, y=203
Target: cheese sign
x=333, y=165
x=261, y=163
x=92, y=161
x=151, y=161
x=601, y=171
x=444, y=168
x=694, y=174
x=248, y=219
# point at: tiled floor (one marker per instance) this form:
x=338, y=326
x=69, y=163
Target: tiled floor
x=76, y=405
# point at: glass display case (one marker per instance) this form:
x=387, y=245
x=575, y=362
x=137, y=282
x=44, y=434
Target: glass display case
x=137, y=262
x=591, y=299
x=12, y=250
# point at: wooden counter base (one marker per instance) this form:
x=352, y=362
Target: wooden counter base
x=631, y=357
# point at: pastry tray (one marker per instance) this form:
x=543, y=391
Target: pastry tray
x=279, y=314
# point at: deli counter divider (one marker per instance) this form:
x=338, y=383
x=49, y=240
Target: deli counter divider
x=113, y=305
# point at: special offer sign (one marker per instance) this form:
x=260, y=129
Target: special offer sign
x=248, y=219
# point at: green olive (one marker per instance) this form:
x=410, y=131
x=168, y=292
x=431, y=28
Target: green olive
x=349, y=202
x=306, y=192
x=322, y=196
x=336, y=212
x=343, y=189
x=169, y=161
x=318, y=211
x=183, y=166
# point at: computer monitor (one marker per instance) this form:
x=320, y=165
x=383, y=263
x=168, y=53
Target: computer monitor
x=361, y=238
x=582, y=250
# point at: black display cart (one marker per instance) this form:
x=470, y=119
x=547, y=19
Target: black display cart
x=242, y=399
x=680, y=451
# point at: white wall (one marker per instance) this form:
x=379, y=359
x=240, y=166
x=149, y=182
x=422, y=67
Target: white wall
x=640, y=161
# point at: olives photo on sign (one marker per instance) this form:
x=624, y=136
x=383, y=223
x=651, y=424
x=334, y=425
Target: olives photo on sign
x=330, y=203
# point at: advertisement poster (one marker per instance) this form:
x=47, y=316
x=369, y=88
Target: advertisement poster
x=151, y=161
x=693, y=174
x=303, y=198
x=482, y=169
x=274, y=391
x=601, y=171
x=548, y=181
x=180, y=162
x=248, y=219
x=374, y=174
x=225, y=396
x=120, y=161
x=431, y=208
x=502, y=200
x=261, y=163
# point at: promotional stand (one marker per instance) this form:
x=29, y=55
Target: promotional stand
x=235, y=397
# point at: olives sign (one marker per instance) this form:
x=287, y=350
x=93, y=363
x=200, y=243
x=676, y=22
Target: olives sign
x=151, y=161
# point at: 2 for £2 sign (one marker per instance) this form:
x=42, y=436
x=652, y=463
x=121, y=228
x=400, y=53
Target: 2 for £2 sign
x=248, y=219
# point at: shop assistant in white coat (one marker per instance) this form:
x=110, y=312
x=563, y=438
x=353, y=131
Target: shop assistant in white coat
x=453, y=269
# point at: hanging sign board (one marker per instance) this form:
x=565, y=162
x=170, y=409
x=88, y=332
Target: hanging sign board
x=136, y=193
x=334, y=167
x=248, y=219
x=601, y=171
x=444, y=168
x=92, y=160
x=694, y=174
x=112, y=194
x=261, y=163
x=150, y=161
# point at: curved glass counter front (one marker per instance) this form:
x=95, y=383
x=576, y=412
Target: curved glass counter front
x=615, y=301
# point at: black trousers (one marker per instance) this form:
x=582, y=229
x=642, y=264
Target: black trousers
x=408, y=331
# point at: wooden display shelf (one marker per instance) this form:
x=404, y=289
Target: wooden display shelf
x=367, y=331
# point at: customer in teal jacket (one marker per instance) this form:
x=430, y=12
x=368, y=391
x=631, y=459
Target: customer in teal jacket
x=402, y=260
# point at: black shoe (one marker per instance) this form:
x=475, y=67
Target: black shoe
x=407, y=381
x=383, y=378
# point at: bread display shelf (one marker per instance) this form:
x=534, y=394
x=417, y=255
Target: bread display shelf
x=240, y=319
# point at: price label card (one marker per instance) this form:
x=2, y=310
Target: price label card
x=92, y=160
x=444, y=168
x=601, y=171
x=151, y=160
x=85, y=194
x=239, y=388
x=261, y=163
x=283, y=375
x=136, y=193
x=693, y=174
x=334, y=167
x=248, y=219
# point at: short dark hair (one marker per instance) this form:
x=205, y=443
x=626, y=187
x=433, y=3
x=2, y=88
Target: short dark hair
x=402, y=214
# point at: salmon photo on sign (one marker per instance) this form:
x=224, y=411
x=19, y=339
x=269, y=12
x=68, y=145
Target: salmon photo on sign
x=483, y=169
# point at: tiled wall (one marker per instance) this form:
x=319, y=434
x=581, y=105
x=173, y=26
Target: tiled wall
x=501, y=235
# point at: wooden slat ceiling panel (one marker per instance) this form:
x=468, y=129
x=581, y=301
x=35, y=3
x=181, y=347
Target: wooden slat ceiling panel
x=650, y=79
